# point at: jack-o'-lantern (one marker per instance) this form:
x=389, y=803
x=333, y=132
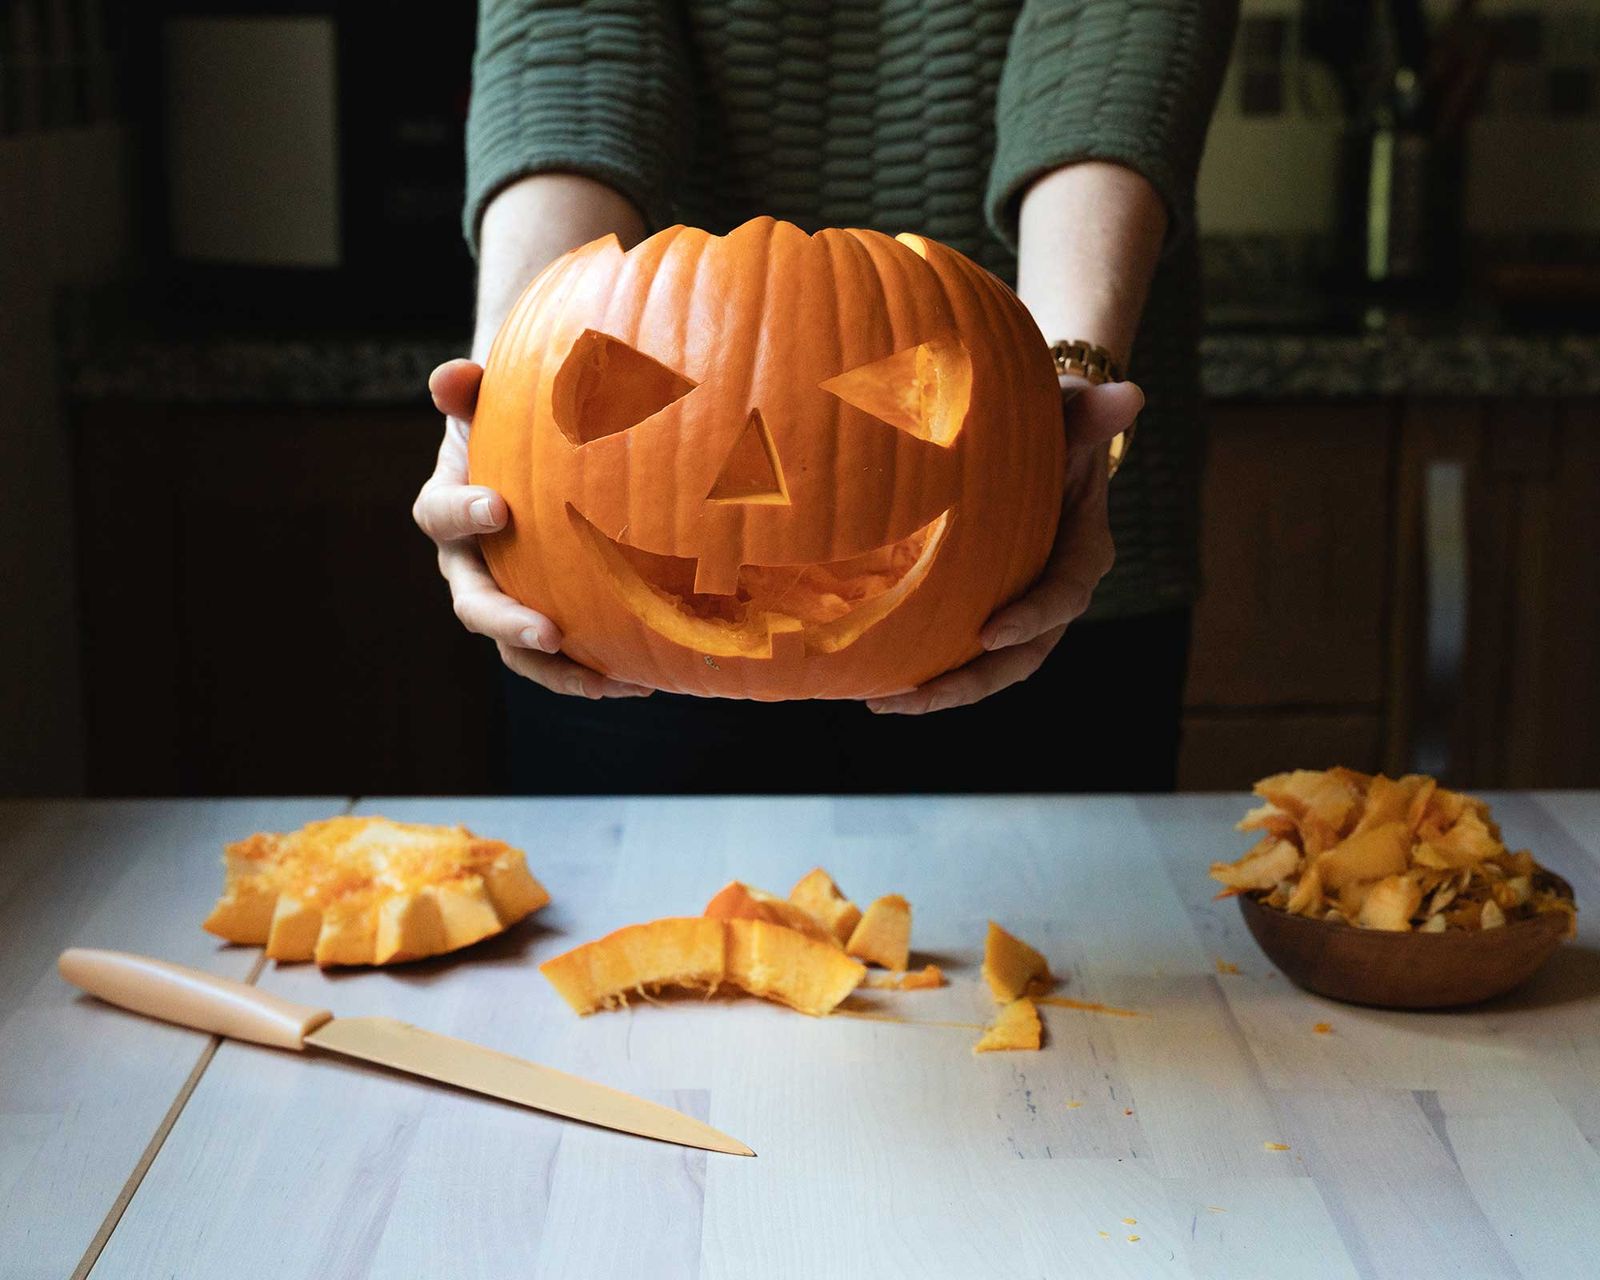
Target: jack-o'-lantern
x=770, y=464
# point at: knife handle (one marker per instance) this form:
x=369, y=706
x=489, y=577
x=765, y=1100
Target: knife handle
x=190, y=998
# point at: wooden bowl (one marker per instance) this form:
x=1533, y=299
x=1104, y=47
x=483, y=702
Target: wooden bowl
x=1405, y=970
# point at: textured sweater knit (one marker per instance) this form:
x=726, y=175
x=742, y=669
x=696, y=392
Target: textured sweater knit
x=930, y=116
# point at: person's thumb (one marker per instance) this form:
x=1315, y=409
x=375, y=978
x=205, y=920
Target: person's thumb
x=1096, y=414
x=454, y=387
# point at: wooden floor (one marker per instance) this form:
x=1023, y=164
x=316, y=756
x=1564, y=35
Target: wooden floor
x=1219, y=1135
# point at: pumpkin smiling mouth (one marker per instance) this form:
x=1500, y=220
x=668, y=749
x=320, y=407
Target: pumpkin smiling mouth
x=822, y=607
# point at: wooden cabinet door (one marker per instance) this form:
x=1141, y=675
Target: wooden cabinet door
x=260, y=613
x=1289, y=650
x=1501, y=686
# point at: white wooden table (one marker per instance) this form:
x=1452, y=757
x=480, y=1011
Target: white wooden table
x=1418, y=1145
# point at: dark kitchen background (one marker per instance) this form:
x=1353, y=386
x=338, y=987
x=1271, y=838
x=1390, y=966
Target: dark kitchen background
x=230, y=253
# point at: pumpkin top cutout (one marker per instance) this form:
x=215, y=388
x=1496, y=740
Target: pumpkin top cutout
x=770, y=464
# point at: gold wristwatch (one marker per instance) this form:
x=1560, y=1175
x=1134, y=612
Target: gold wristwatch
x=1095, y=364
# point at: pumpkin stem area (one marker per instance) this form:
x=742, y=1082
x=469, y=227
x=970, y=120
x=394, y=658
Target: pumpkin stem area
x=830, y=603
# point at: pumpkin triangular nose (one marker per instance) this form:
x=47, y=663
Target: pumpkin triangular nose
x=751, y=471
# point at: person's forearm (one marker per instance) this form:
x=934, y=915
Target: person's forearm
x=1088, y=240
x=529, y=225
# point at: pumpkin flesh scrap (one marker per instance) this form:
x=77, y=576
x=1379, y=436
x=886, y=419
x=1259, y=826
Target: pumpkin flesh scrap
x=364, y=890
x=884, y=935
x=1016, y=1027
x=817, y=894
x=1010, y=966
x=702, y=953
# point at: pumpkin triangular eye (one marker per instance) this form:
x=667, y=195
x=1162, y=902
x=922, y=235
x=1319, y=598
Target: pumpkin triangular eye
x=751, y=472
x=924, y=389
x=605, y=386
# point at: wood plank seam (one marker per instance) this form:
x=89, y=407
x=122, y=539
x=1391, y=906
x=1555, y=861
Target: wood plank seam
x=91, y=1255
x=96, y=1246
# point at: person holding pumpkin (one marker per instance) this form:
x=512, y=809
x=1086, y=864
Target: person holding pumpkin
x=1055, y=142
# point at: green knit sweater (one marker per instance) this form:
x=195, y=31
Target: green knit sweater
x=904, y=115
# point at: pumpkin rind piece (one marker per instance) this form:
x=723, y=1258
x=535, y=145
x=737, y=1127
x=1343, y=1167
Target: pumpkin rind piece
x=817, y=894
x=1010, y=965
x=924, y=979
x=884, y=935
x=738, y=901
x=776, y=963
x=673, y=952
x=364, y=890
x=1016, y=1027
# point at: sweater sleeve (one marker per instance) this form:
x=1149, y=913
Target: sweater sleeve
x=594, y=87
x=1132, y=82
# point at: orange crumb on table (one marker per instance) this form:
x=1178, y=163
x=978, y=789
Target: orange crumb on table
x=1323, y=1028
x=1073, y=1105
x=1087, y=1006
x=1133, y=1239
x=1132, y=1222
x=1127, y=1111
x=1275, y=1146
x=1215, y=1208
x=1226, y=966
x=1104, y=1235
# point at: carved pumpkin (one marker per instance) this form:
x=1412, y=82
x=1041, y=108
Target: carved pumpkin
x=770, y=464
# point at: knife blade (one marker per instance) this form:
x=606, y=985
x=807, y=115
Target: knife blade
x=240, y=1012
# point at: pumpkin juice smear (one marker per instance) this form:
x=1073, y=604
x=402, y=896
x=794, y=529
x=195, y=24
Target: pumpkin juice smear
x=1088, y=1006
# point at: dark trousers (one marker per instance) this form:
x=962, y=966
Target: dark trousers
x=1102, y=714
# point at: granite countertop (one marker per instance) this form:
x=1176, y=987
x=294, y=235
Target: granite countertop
x=1256, y=365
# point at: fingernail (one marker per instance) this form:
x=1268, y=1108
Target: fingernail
x=533, y=638
x=574, y=686
x=616, y=689
x=1004, y=638
x=482, y=513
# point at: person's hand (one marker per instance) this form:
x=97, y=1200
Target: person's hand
x=453, y=513
x=1020, y=636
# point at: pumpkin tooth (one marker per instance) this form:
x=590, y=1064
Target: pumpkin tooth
x=1010, y=966
x=349, y=935
x=513, y=889
x=294, y=930
x=409, y=927
x=243, y=915
x=1016, y=1027
x=466, y=911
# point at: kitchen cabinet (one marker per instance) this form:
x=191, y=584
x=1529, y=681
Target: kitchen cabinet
x=260, y=614
x=1399, y=584
x=1389, y=584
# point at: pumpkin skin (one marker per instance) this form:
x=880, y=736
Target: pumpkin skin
x=769, y=464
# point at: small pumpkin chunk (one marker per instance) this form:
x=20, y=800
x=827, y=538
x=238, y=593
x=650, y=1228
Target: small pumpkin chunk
x=884, y=935
x=1016, y=1027
x=776, y=963
x=639, y=959
x=817, y=894
x=738, y=901
x=1010, y=966
x=923, y=979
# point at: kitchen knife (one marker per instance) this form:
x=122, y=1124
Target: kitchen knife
x=226, y=1008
